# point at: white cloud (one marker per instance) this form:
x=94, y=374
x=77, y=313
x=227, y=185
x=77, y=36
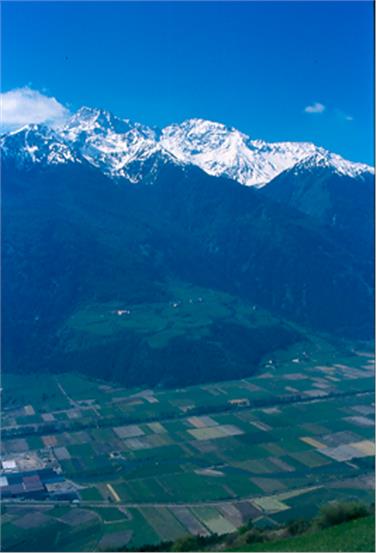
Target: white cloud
x=345, y=116
x=22, y=106
x=342, y=116
x=315, y=108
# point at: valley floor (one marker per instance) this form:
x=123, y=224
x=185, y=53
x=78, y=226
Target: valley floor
x=91, y=466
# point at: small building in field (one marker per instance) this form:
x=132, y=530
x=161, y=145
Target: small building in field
x=241, y=402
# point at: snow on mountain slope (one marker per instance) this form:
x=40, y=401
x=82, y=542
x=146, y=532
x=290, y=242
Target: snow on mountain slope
x=116, y=146
x=322, y=158
x=220, y=150
x=37, y=144
x=121, y=148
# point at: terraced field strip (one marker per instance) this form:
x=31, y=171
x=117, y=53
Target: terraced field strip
x=113, y=493
x=311, y=441
x=270, y=504
x=165, y=524
x=189, y=521
x=213, y=520
x=231, y=513
x=296, y=493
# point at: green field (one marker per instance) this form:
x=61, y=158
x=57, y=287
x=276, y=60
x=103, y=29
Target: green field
x=189, y=309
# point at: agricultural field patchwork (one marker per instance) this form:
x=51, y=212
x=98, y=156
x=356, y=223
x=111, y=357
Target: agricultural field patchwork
x=89, y=465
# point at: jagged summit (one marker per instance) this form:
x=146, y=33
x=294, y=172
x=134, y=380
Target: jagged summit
x=122, y=148
x=36, y=143
x=221, y=150
x=100, y=121
x=112, y=144
x=321, y=158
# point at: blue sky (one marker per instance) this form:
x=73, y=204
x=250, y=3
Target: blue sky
x=277, y=71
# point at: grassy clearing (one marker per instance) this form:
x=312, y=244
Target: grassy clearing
x=38, y=390
x=357, y=535
x=188, y=310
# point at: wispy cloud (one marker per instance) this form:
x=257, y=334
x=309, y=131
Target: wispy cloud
x=344, y=116
x=315, y=108
x=22, y=106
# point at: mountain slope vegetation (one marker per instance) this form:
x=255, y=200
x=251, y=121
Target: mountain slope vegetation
x=77, y=242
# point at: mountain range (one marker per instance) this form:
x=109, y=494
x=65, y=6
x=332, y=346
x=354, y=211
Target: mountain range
x=116, y=146
x=218, y=248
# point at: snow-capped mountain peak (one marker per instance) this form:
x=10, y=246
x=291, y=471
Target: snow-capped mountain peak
x=37, y=143
x=215, y=148
x=325, y=159
x=100, y=121
x=221, y=150
x=121, y=148
x=110, y=143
